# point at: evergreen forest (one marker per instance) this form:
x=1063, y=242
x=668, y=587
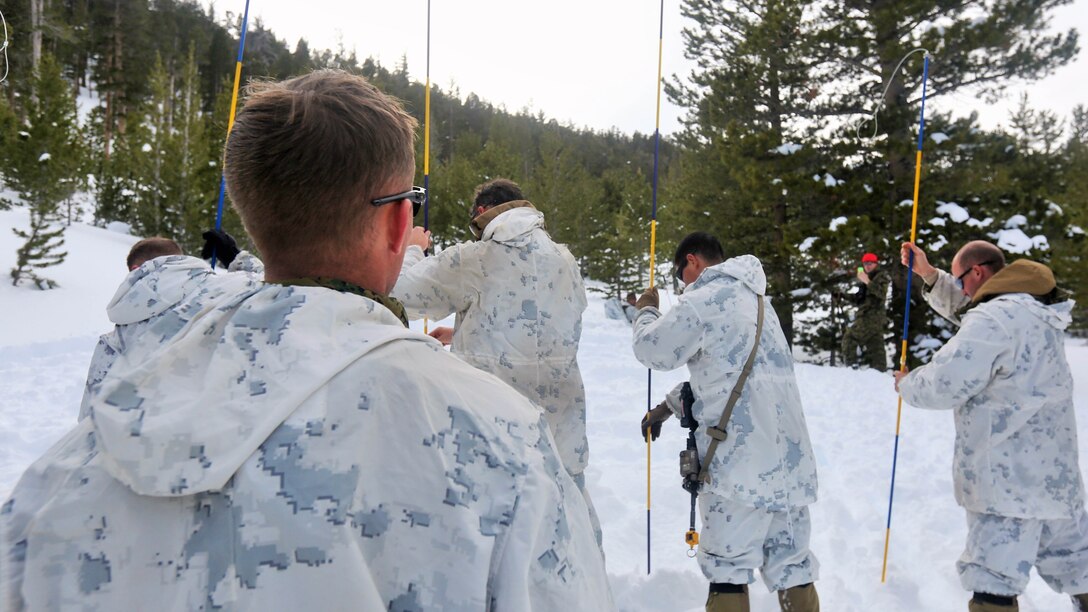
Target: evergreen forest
x=116, y=112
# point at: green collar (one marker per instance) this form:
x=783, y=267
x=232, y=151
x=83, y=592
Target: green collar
x=345, y=287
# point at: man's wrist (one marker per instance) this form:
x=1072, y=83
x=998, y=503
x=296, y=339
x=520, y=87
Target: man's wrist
x=931, y=277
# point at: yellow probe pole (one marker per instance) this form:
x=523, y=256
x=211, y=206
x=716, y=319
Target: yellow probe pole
x=427, y=139
x=653, y=245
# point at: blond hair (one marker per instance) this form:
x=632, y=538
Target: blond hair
x=306, y=156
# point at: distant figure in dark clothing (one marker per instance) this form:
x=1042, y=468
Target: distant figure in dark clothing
x=867, y=330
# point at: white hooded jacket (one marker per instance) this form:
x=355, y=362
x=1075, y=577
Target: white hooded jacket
x=1005, y=377
x=766, y=461
x=519, y=299
x=298, y=448
x=149, y=291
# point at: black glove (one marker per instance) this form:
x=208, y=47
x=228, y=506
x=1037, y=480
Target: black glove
x=654, y=419
x=648, y=298
x=221, y=245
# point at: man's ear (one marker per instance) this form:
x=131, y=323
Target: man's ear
x=398, y=224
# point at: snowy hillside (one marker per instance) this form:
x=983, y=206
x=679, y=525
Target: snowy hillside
x=46, y=340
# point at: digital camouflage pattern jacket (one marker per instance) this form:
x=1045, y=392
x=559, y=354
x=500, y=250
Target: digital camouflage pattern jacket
x=297, y=448
x=519, y=298
x=1006, y=379
x=766, y=460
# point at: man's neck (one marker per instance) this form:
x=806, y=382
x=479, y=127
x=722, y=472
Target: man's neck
x=360, y=278
x=343, y=286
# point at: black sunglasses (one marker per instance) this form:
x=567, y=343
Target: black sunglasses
x=678, y=276
x=678, y=268
x=416, y=195
x=959, y=279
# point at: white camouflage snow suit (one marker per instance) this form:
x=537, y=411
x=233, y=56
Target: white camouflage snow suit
x=1015, y=468
x=763, y=476
x=519, y=299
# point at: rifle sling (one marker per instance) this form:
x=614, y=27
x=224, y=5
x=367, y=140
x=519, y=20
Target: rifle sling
x=718, y=434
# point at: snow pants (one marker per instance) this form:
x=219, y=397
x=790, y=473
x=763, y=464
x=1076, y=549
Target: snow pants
x=1001, y=551
x=737, y=539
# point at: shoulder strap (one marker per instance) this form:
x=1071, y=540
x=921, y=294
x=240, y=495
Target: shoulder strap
x=718, y=434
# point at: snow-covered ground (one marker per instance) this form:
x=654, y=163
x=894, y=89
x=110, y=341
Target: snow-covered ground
x=46, y=340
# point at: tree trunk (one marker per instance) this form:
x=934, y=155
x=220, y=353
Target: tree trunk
x=36, y=8
x=780, y=261
x=113, y=84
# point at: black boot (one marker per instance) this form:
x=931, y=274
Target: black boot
x=984, y=602
x=726, y=597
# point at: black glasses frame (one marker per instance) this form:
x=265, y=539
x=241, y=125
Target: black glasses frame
x=416, y=195
x=959, y=279
x=678, y=276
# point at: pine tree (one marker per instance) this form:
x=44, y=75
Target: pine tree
x=1074, y=248
x=562, y=188
x=155, y=213
x=194, y=179
x=979, y=48
x=41, y=250
x=618, y=244
x=43, y=165
x=121, y=48
x=817, y=57
x=745, y=175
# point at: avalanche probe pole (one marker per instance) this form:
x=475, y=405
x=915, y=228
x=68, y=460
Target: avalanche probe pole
x=906, y=315
x=230, y=119
x=653, y=244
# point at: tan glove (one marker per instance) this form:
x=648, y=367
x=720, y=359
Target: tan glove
x=653, y=420
x=648, y=298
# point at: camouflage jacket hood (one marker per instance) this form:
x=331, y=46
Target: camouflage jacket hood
x=169, y=418
x=1058, y=316
x=745, y=268
x=1021, y=276
x=511, y=223
x=163, y=282
x=484, y=220
x=147, y=292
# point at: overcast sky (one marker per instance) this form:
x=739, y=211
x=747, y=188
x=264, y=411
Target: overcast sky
x=589, y=62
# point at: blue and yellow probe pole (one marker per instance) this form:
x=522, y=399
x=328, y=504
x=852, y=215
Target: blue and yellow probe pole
x=906, y=315
x=230, y=119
